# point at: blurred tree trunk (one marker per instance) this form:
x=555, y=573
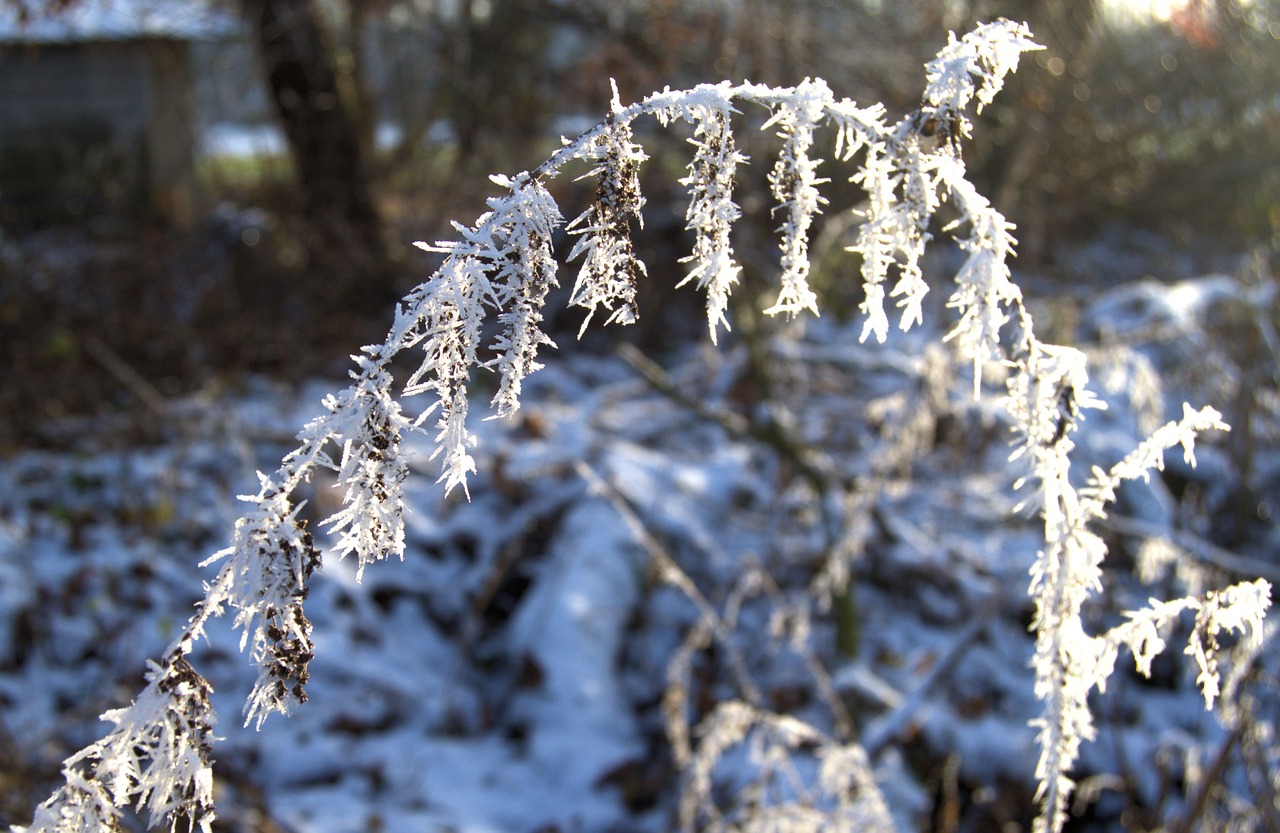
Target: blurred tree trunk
x=350, y=64
x=343, y=231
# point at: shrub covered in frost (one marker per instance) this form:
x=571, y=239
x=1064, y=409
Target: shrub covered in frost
x=502, y=269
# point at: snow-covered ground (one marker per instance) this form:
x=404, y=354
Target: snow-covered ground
x=544, y=656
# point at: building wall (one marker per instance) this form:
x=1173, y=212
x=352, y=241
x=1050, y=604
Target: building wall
x=171, y=133
x=94, y=126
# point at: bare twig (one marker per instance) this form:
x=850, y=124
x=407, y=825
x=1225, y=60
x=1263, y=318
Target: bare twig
x=883, y=730
x=1211, y=778
x=768, y=433
x=146, y=392
x=672, y=573
x=1237, y=566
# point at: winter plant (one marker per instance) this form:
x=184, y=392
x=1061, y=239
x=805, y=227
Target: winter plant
x=158, y=756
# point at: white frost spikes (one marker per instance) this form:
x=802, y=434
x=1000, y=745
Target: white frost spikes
x=367, y=423
x=158, y=758
x=794, y=183
x=610, y=268
x=1046, y=394
x=265, y=579
x=505, y=261
x=523, y=279
x=712, y=211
